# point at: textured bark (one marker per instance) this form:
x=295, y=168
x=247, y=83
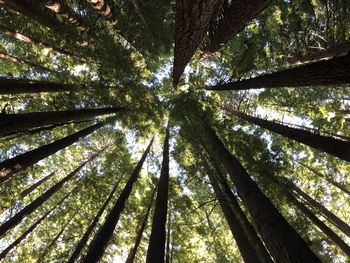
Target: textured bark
x=31, y=207
x=36, y=185
x=133, y=251
x=10, y=123
x=30, y=229
x=84, y=239
x=338, y=148
x=235, y=18
x=100, y=242
x=156, y=245
x=328, y=179
x=168, y=239
x=246, y=249
x=323, y=227
x=192, y=21
x=340, y=224
x=332, y=72
x=21, y=162
x=282, y=241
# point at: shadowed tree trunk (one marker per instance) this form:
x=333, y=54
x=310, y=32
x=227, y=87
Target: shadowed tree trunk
x=133, y=251
x=19, y=163
x=84, y=239
x=235, y=18
x=322, y=226
x=338, y=148
x=31, y=228
x=156, y=245
x=100, y=242
x=282, y=241
x=20, y=122
x=36, y=185
x=327, y=178
x=168, y=241
x=192, y=21
x=340, y=224
x=30, y=208
x=330, y=72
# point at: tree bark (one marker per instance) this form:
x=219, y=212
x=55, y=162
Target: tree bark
x=235, y=18
x=168, y=241
x=20, y=122
x=133, y=251
x=21, y=162
x=31, y=228
x=103, y=7
x=156, y=246
x=282, y=241
x=332, y=72
x=100, y=242
x=338, y=148
x=83, y=241
x=329, y=180
x=36, y=185
x=30, y=208
x=192, y=21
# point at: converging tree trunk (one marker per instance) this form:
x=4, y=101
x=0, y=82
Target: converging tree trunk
x=30, y=189
x=100, y=242
x=235, y=18
x=31, y=207
x=338, y=148
x=133, y=251
x=168, y=239
x=84, y=239
x=332, y=72
x=19, y=163
x=156, y=245
x=282, y=241
x=10, y=123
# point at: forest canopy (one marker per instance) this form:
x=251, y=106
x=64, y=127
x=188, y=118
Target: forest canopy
x=175, y=131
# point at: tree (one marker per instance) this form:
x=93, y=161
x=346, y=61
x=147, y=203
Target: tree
x=36, y=185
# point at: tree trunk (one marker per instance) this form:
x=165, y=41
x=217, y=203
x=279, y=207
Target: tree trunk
x=133, y=251
x=248, y=253
x=20, y=122
x=36, y=185
x=19, y=163
x=235, y=18
x=340, y=224
x=31, y=228
x=23, y=61
x=100, y=242
x=282, y=241
x=323, y=227
x=30, y=208
x=329, y=180
x=192, y=21
x=156, y=245
x=168, y=241
x=83, y=241
x=332, y=72
x=338, y=148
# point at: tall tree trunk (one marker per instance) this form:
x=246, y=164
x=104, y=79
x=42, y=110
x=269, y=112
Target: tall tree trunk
x=168, y=241
x=31, y=228
x=10, y=123
x=19, y=163
x=36, y=185
x=340, y=224
x=54, y=241
x=192, y=21
x=19, y=86
x=323, y=227
x=133, y=251
x=235, y=18
x=84, y=239
x=330, y=72
x=327, y=178
x=282, y=241
x=100, y=242
x=156, y=246
x=338, y=148
x=30, y=208
x=249, y=254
